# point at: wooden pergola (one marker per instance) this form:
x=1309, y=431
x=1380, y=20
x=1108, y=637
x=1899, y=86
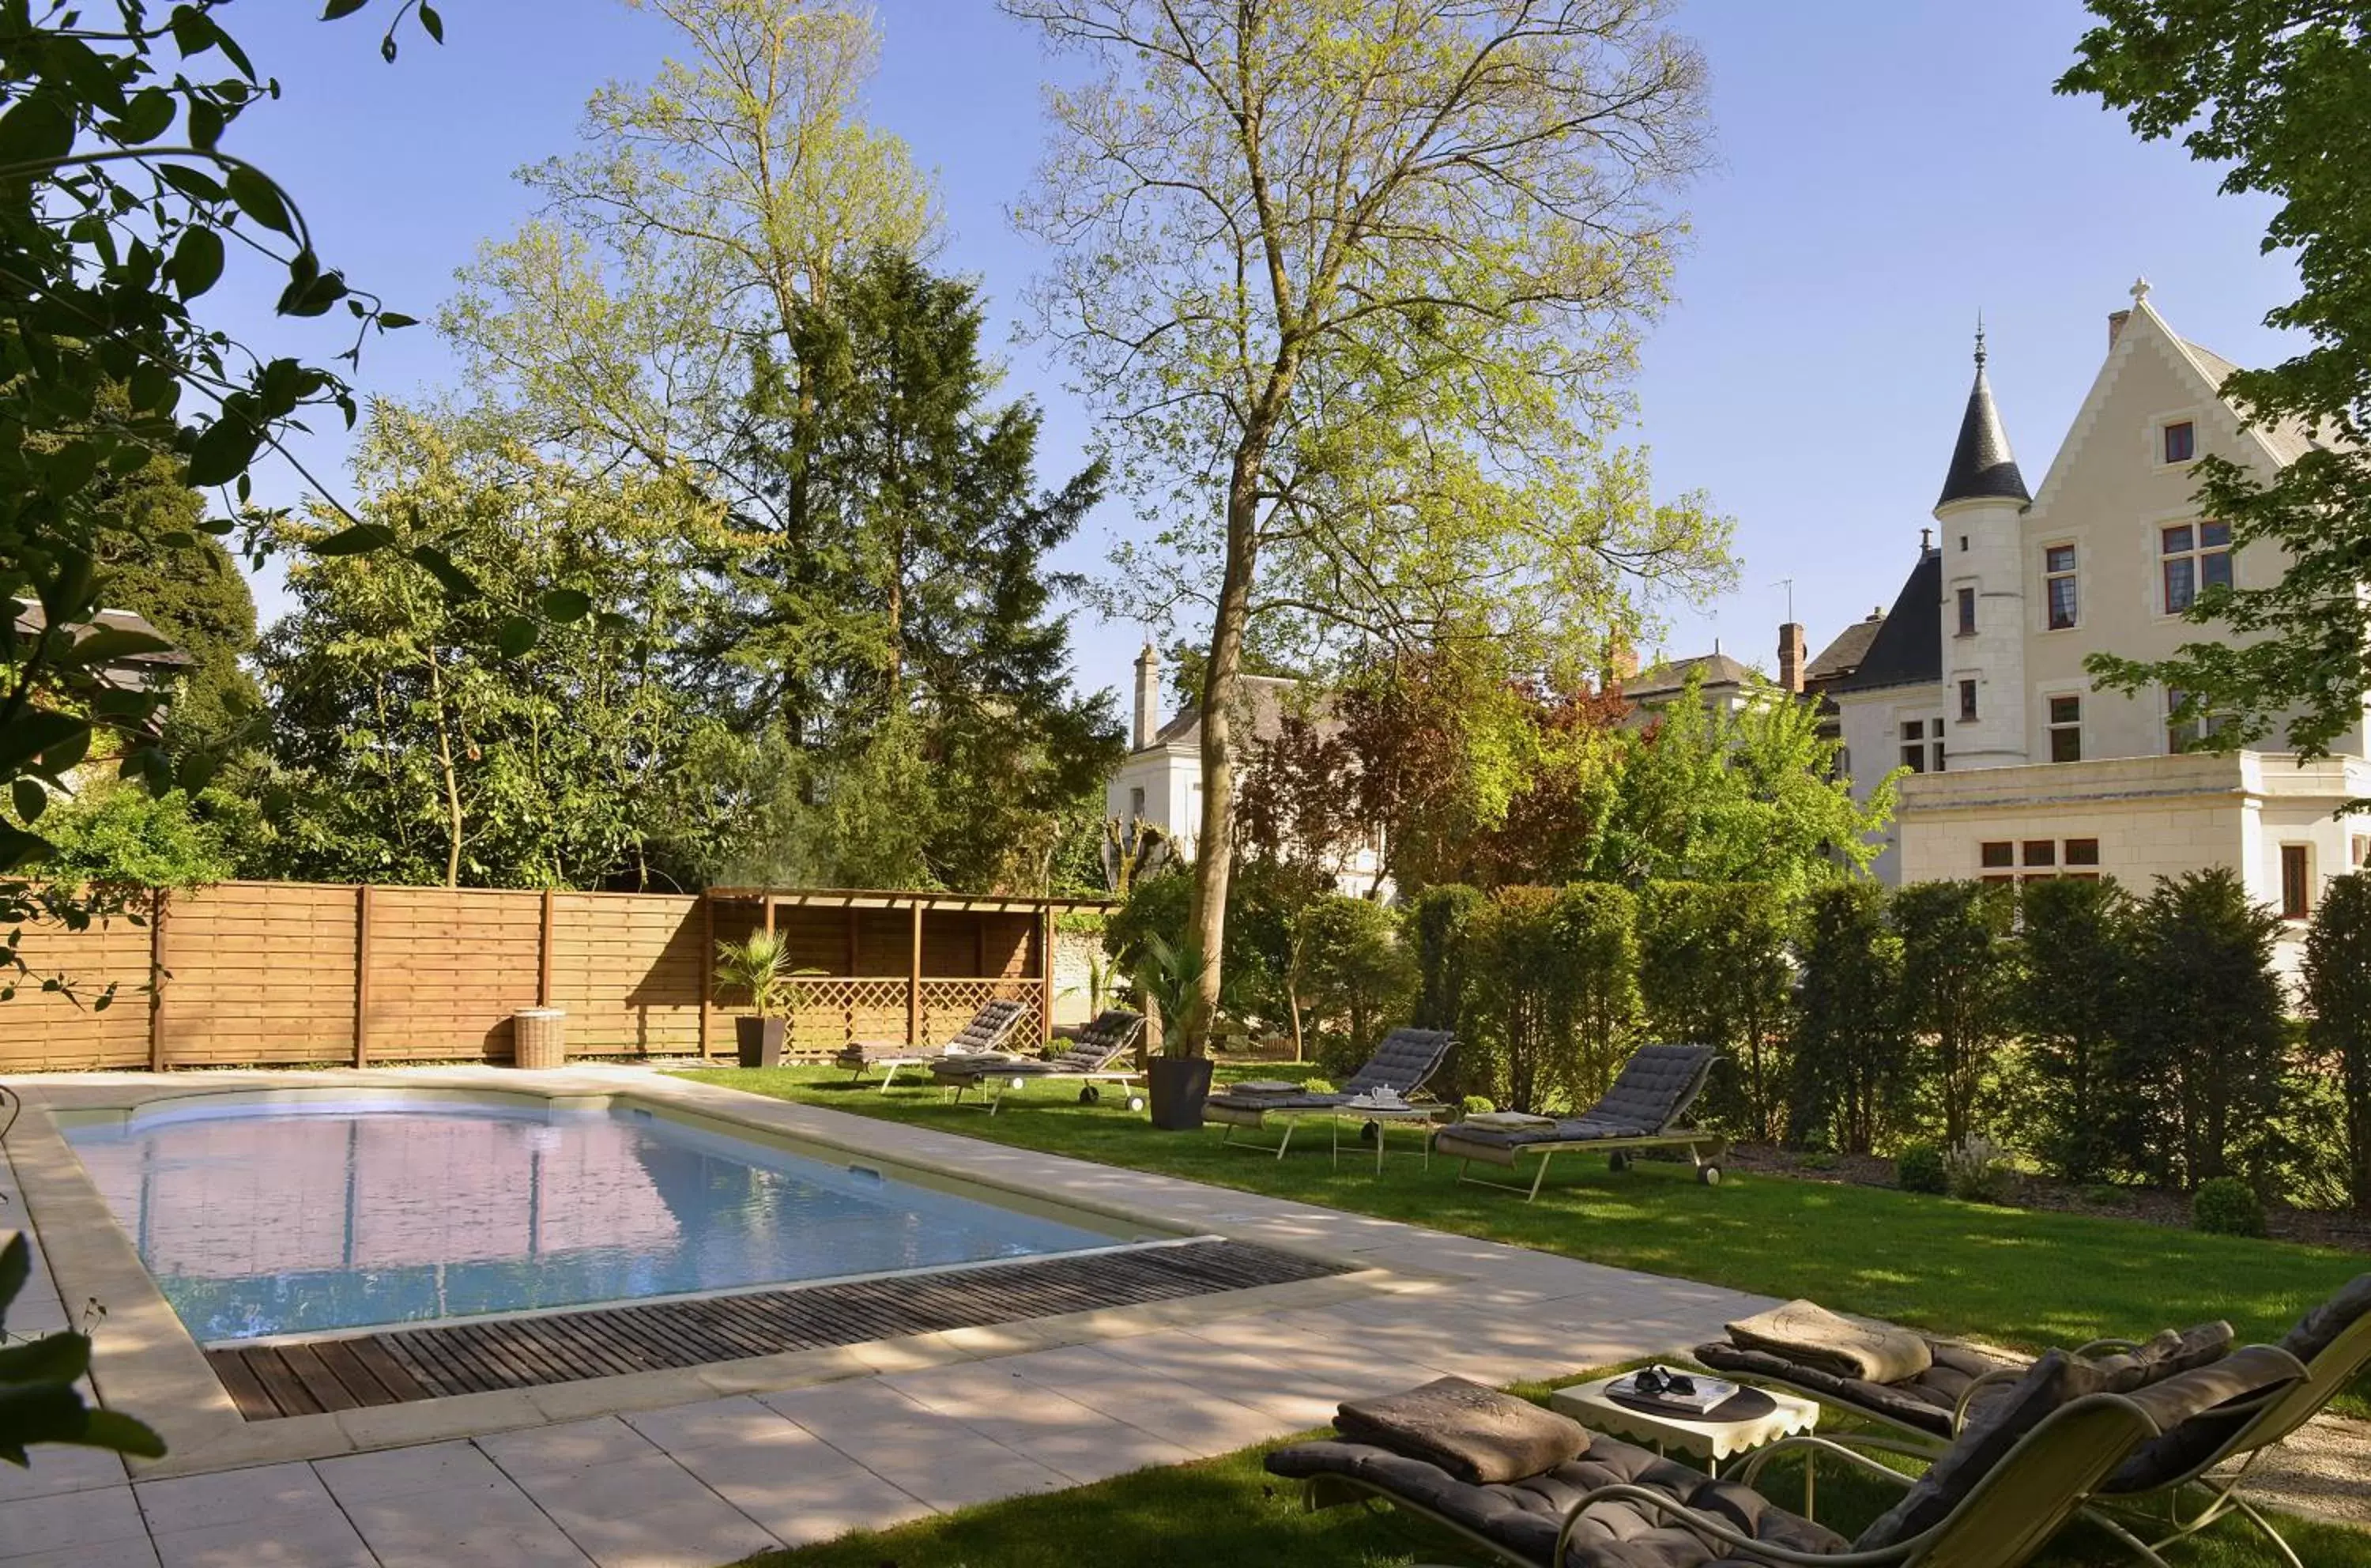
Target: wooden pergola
x=870, y=954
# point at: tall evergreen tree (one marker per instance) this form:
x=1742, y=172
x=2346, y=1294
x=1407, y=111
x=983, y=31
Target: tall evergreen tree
x=1850, y=1054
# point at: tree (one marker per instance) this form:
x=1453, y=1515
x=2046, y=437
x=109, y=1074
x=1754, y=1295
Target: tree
x=1350, y=972
x=2337, y=976
x=1751, y=794
x=1956, y=967
x=419, y=738
x=2074, y=954
x=118, y=211
x=2205, y=1044
x=1851, y=1057
x=1712, y=969
x=2265, y=90
x=1355, y=283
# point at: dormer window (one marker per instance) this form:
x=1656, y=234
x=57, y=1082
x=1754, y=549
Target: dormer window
x=2181, y=441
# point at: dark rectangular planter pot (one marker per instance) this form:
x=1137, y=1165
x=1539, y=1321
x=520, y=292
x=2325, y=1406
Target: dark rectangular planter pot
x=760, y=1040
x=1178, y=1085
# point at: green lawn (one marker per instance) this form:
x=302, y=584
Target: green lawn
x=2029, y=1279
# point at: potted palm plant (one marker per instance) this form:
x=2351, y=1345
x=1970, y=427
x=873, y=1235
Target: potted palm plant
x=1168, y=981
x=759, y=966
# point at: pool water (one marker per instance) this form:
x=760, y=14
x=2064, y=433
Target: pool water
x=280, y=1218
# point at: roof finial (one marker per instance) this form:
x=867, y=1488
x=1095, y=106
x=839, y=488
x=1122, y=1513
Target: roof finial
x=1980, y=340
x=2140, y=289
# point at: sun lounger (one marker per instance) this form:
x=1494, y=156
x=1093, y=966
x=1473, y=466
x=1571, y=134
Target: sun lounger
x=1404, y=1062
x=989, y=1029
x=1642, y=1111
x=1993, y=1499
x=2329, y=1347
x=1095, y=1057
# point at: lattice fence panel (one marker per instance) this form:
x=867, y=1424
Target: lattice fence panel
x=947, y=1005
x=834, y=1010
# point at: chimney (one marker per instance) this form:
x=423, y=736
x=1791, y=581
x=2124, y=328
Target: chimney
x=1148, y=695
x=1621, y=664
x=1794, y=653
x=2116, y=319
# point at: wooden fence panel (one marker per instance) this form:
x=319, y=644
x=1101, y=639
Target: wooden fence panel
x=42, y=1031
x=448, y=968
x=627, y=968
x=260, y=972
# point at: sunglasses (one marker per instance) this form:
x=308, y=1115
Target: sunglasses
x=1655, y=1380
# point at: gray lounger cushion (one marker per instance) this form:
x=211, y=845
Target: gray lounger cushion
x=2193, y=1415
x=2055, y=1380
x=1653, y=1090
x=2318, y=1329
x=1477, y=1435
x=1925, y=1402
x=1523, y=1516
x=1405, y=1060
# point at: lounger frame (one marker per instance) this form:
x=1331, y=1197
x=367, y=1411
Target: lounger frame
x=2278, y=1413
x=2085, y=1438
x=1231, y=1116
x=1090, y=1079
x=1707, y=1149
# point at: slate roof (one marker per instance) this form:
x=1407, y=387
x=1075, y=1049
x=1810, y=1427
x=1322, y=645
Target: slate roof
x=1983, y=468
x=1845, y=654
x=1907, y=649
x=2290, y=440
x=1259, y=714
x=1671, y=675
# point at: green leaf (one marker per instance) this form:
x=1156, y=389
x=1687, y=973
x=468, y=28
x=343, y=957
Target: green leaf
x=389, y=320
x=19, y=848
x=517, y=636
x=566, y=604
x=110, y=643
x=336, y=8
x=154, y=389
x=29, y=735
x=53, y=1358
x=197, y=262
x=205, y=123
x=430, y=22
x=195, y=184
x=222, y=452
x=30, y=798
x=147, y=117
x=457, y=583
x=113, y=1429
x=360, y=539
x=259, y=200
x=40, y=130
x=67, y=752
x=197, y=771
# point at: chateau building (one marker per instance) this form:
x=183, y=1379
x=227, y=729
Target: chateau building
x=1974, y=680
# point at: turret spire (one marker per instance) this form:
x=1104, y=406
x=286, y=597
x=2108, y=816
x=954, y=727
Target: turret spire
x=1983, y=468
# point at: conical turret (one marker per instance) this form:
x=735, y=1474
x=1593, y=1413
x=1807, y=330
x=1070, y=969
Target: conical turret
x=1982, y=466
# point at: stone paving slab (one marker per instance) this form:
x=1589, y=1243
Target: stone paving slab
x=897, y=1431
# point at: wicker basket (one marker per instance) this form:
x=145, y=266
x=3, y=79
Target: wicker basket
x=539, y=1037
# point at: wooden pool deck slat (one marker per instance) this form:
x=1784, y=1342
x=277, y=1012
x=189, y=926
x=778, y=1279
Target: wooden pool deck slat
x=397, y=1365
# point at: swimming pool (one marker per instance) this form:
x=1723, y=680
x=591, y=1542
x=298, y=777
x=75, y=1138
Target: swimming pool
x=303, y=1215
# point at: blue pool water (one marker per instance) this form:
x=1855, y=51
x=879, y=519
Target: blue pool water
x=283, y=1218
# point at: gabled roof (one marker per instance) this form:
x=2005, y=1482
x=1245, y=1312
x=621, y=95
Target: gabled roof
x=1844, y=655
x=1260, y=714
x=1983, y=468
x=2290, y=440
x=1908, y=647
x=1671, y=675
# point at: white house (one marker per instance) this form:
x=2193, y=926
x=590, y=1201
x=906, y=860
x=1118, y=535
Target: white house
x=1974, y=680
x=1158, y=783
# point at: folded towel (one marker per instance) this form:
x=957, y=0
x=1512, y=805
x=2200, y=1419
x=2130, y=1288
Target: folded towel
x=1264, y=1086
x=1507, y=1119
x=1850, y=1347
x=1478, y=1434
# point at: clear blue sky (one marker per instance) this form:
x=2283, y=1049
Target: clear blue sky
x=1885, y=170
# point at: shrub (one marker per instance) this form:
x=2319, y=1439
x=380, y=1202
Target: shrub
x=2224, y=1206
x=1318, y=1086
x=1349, y=976
x=1956, y=966
x=1594, y=996
x=1261, y=900
x=1478, y=1105
x=1849, y=1052
x=2337, y=977
x=1713, y=970
x=2199, y=1069
x=1511, y=952
x=1437, y=922
x=2074, y=950
x=2107, y=1195
x=1978, y=1172
x=1919, y=1169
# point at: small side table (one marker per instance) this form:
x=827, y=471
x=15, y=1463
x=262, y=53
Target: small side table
x=1385, y=1118
x=1711, y=1441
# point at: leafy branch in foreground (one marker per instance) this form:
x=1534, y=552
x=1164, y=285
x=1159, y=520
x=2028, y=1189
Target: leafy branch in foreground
x=2266, y=89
